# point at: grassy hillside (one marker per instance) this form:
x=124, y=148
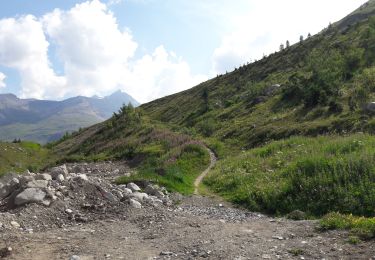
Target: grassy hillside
x=162, y=156
x=324, y=83
x=314, y=175
x=19, y=157
x=320, y=86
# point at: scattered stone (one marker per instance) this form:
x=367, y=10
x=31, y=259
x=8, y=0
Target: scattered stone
x=43, y=176
x=118, y=194
x=135, y=204
x=69, y=211
x=37, y=184
x=15, y=224
x=55, y=171
x=81, y=178
x=278, y=237
x=140, y=196
x=60, y=178
x=5, y=252
x=30, y=195
x=154, y=190
x=125, y=191
x=166, y=253
x=7, y=189
x=134, y=187
x=25, y=179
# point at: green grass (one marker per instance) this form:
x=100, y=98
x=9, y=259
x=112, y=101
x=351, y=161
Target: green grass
x=177, y=173
x=18, y=157
x=359, y=227
x=314, y=175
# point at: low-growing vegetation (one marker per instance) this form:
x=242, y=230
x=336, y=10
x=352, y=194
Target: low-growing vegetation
x=359, y=227
x=176, y=170
x=313, y=175
x=18, y=157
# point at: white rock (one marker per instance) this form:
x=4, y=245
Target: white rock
x=125, y=191
x=60, y=178
x=140, y=196
x=30, y=195
x=55, y=171
x=15, y=224
x=68, y=211
x=37, y=184
x=43, y=176
x=133, y=187
x=135, y=204
x=74, y=257
x=81, y=177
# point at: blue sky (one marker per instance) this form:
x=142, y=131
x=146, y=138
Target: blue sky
x=149, y=48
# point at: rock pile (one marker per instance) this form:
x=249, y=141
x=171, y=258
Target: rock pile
x=67, y=192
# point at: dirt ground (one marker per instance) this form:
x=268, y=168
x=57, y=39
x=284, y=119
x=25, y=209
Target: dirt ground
x=193, y=227
x=198, y=228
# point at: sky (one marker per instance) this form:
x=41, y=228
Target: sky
x=57, y=49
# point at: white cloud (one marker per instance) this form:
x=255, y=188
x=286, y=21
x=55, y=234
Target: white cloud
x=23, y=46
x=2, y=78
x=266, y=24
x=97, y=56
x=160, y=74
x=93, y=49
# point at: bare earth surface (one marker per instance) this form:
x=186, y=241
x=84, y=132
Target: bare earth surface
x=189, y=228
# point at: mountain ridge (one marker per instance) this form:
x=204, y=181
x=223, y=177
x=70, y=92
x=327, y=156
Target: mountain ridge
x=48, y=120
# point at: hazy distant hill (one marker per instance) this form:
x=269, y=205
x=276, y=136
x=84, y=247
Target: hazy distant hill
x=45, y=120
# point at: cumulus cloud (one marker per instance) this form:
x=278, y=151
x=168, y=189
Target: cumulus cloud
x=160, y=74
x=2, y=78
x=94, y=51
x=96, y=54
x=23, y=46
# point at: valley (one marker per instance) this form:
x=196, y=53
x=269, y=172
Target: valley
x=273, y=160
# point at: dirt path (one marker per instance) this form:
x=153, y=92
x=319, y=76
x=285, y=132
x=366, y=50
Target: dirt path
x=193, y=227
x=199, y=179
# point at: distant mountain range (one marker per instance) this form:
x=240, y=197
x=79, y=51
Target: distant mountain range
x=45, y=120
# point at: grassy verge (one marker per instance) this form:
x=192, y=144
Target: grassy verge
x=18, y=157
x=359, y=227
x=314, y=175
x=176, y=171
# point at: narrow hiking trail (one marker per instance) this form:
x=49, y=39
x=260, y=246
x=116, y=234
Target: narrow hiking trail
x=199, y=179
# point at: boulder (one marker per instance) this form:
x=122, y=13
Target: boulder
x=139, y=196
x=7, y=189
x=30, y=195
x=154, y=190
x=133, y=187
x=55, y=171
x=135, y=204
x=268, y=91
x=43, y=176
x=25, y=179
x=37, y=184
x=370, y=107
x=118, y=194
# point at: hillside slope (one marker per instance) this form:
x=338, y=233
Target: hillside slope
x=43, y=120
x=324, y=85
x=318, y=86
